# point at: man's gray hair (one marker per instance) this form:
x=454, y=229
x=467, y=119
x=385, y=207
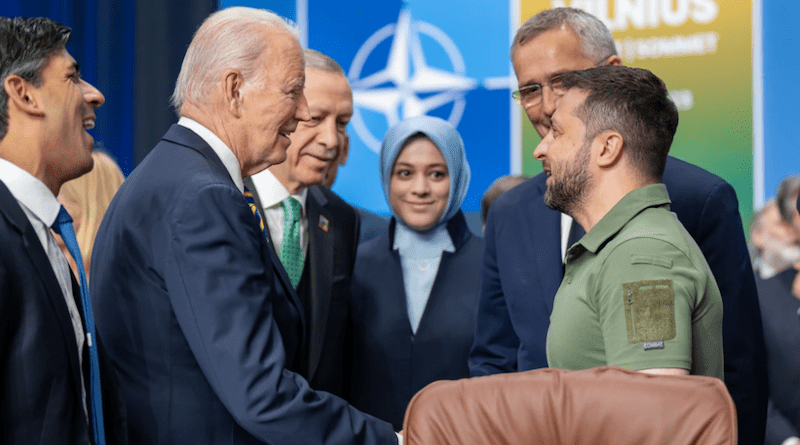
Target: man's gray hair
x=786, y=197
x=598, y=43
x=316, y=60
x=228, y=38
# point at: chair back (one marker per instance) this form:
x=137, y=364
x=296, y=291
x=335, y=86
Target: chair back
x=606, y=405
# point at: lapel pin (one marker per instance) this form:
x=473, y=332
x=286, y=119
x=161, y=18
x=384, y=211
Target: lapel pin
x=323, y=223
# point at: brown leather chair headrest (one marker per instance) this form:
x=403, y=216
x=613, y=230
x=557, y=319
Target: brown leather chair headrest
x=606, y=405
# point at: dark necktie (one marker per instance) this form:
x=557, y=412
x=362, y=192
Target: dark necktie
x=248, y=195
x=63, y=227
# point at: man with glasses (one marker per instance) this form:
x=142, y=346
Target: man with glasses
x=526, y=241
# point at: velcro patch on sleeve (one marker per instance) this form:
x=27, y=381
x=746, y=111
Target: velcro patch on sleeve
x=649, y=310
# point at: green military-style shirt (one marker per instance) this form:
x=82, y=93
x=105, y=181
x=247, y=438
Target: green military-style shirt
x=637, y=293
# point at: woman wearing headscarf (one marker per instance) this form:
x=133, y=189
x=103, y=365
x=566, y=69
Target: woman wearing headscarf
x=416, y=286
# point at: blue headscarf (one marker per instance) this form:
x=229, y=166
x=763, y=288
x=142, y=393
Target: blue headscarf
x=449, y=142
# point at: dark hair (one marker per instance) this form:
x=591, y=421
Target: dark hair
x=786, y=197
x=498, y=187
x=25, y=48
x=633, y=102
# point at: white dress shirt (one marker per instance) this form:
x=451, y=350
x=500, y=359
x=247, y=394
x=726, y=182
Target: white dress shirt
x=41, y=208
x=223, y=152
x=271, y=193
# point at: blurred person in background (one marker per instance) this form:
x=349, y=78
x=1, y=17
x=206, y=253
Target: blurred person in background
x=773, y=242
x=86, y=199
x=415, y=287
x=497, y=188
x=779, y=298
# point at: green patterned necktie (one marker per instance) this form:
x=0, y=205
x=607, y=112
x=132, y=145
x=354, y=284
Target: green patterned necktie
x=291, y=250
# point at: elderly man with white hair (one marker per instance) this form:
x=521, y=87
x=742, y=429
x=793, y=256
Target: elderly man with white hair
x=202, y=325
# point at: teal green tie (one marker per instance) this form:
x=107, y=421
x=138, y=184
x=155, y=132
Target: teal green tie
x=291, y=250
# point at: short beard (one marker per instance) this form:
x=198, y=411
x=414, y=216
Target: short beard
x=568, y=193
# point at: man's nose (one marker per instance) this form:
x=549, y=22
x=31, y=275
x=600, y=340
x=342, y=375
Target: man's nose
x=329, y=134
x=549, y=99
x=302, y=112
x=92, y=95
x=541, y=149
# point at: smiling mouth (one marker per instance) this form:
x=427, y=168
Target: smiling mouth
x=88, y=123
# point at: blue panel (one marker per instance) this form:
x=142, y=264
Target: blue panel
x=434, y=37
x=781, y=92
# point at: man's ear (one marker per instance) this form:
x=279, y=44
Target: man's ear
x=613, y=60
x=21, y=95
x=233, y=85
x=609, y=148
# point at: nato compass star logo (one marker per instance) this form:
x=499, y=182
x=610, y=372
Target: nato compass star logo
x=407, y=86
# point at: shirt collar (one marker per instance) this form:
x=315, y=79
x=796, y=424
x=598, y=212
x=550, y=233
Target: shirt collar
x=271, y=192
x=222, y=151
x=653, y=195
x=429, y=244
x=30, y=192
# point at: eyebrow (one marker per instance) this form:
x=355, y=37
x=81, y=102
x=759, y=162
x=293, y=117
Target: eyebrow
x=77, y=67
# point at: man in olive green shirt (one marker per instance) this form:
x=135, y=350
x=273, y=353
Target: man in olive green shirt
x=637, y=291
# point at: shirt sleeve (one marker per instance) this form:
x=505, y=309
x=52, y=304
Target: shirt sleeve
x=646, y=294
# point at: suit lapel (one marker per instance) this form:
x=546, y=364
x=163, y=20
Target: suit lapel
x=548, y=247
x=321, y=234
x=44, y=270
x=280, y=272
x=248, y=182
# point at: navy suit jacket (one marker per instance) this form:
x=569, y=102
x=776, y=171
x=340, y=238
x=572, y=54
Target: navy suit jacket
x=198, y=316
x=333, y=228
x=41, y=388
x=781, y=317
x=41, y=392
x=391, y=363
x=522, y=272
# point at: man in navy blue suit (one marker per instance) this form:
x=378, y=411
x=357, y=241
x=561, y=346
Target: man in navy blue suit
x=525, y=241
x=204, y=328
x=45, y=112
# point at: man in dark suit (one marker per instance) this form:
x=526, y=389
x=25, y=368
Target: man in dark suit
x=45, y=110
x=204, y=328
x=526, y=241
x=779, y=297
x=328, y=233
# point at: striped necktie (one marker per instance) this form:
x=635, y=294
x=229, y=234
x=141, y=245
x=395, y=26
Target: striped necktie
x=248, y=195
x=63, y=227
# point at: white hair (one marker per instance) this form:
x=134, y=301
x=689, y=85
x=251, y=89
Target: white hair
x=227, y=39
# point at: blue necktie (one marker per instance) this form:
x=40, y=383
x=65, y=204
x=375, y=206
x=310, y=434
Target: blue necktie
x=248, y=195
x=63, y=227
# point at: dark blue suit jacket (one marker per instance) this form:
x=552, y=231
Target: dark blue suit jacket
x=324, y=287
x=198, y=316
x=390, y=362
x=522, y=272
x=40, y=400
x=41, y=392
x=779, y=309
